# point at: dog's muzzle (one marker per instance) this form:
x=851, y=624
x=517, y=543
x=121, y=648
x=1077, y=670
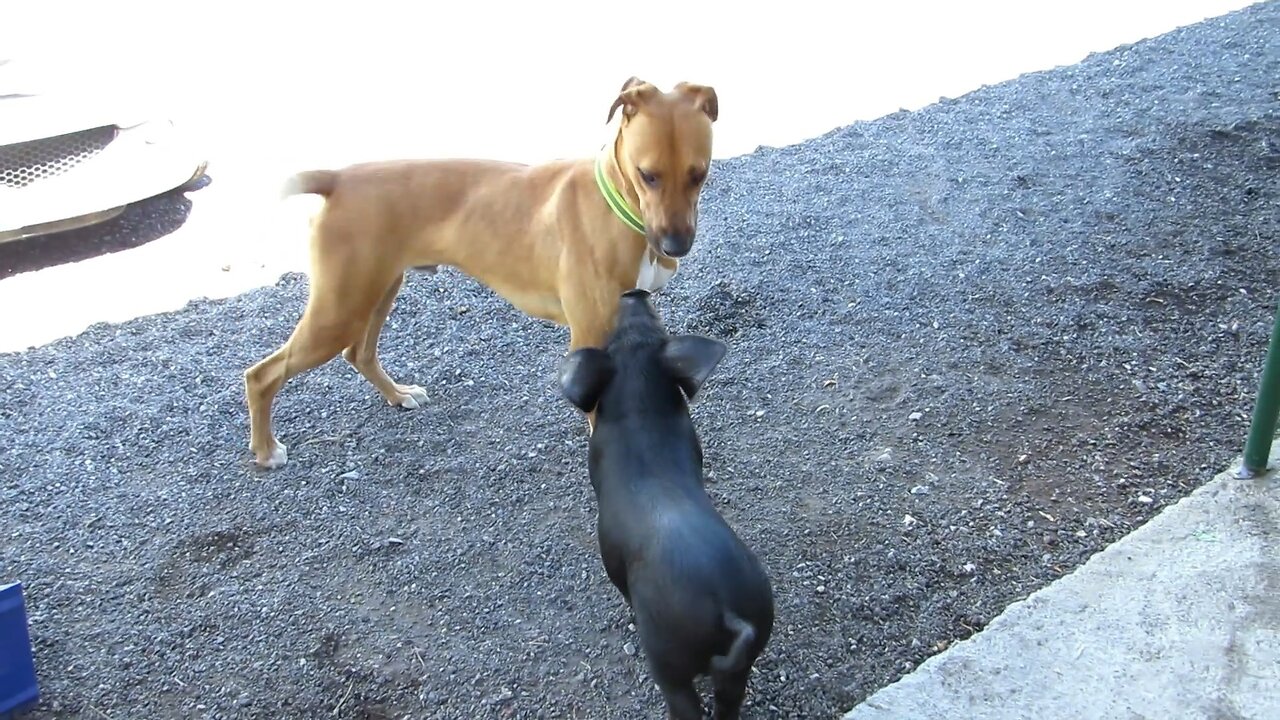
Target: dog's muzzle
x=675, y=246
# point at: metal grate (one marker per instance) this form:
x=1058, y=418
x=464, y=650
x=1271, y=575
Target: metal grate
x=26, y=162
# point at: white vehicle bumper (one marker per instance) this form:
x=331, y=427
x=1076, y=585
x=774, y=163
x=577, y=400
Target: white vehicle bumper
x=88, y=176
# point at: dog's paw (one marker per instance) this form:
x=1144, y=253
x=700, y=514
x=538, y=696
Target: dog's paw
x=277, y=457
x=411, y=397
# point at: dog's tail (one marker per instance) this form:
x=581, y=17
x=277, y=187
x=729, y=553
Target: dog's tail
x=310, y=182
x=736, y=658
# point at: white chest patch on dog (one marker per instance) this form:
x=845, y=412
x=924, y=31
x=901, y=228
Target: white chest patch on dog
x=652, y=276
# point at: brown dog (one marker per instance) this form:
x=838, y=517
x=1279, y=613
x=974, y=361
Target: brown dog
x=560, y=241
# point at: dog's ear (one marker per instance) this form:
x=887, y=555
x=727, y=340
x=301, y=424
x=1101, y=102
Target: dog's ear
x=635, y=92
x=584, y=375
x=690, y=360
x=703, y=97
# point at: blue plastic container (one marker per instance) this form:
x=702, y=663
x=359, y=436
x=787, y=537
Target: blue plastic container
x=18, y=689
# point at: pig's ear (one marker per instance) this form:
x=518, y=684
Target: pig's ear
x=690, y=360
x=584, y=375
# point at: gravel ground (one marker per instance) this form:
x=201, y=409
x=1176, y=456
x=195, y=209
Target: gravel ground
x=970, y=346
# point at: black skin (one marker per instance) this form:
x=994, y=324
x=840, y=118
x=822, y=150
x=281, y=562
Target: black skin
x=692, y=584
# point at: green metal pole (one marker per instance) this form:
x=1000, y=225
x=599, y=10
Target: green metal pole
x=1262, y=431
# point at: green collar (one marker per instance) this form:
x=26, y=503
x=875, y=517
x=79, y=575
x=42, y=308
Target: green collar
x=616, y=202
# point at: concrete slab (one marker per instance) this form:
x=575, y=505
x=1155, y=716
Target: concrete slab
x=1179, y=619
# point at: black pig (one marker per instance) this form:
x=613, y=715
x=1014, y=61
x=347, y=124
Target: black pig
x=702, y=601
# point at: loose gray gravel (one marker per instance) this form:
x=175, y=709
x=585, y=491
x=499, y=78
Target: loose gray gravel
x=970, y=346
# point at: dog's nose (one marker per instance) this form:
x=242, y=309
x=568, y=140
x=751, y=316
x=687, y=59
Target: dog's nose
x=676, y=245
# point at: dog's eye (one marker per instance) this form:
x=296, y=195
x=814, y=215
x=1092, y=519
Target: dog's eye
x=647, y=177
x=696, y=177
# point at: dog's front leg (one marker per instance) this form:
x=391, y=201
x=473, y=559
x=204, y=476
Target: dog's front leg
x=576, y=341
x=590, y=316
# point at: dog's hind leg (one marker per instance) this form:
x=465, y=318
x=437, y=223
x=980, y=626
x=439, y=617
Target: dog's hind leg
x=363, y=356
x=313, y=343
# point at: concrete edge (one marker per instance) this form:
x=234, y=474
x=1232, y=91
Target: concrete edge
x=884, y=703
